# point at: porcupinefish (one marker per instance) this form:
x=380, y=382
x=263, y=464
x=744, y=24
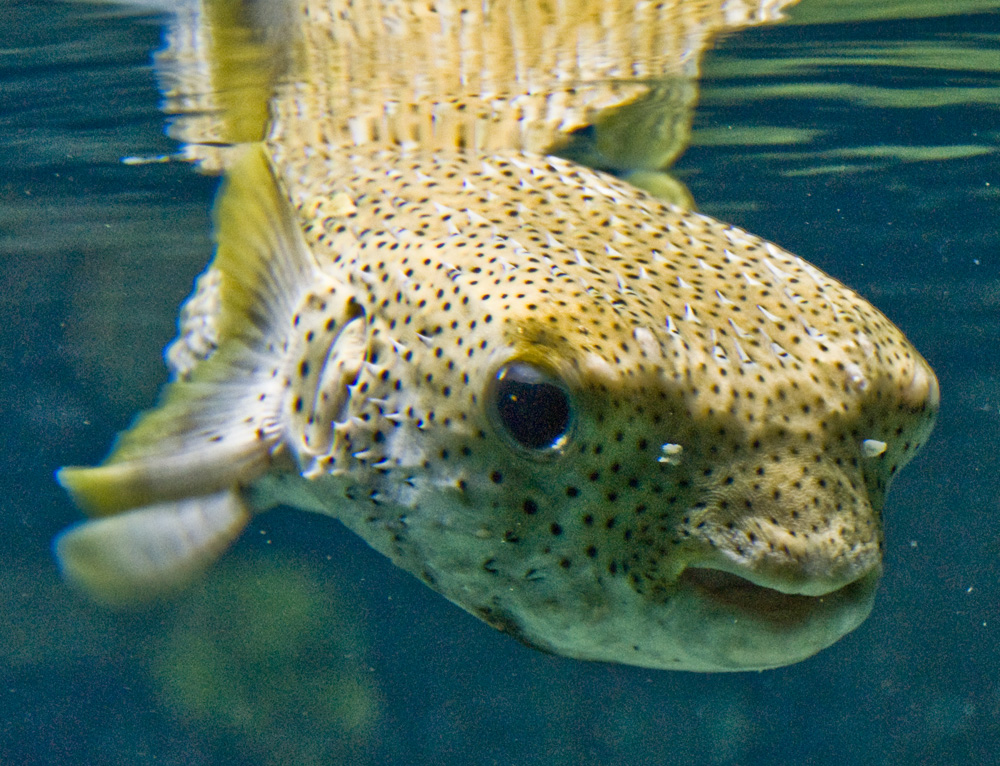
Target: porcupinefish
x=614, y=428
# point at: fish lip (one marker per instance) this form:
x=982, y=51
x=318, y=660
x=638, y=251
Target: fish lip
x=743, y=598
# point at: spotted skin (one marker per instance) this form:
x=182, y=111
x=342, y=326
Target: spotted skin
x=699, y=484
x=722, y=392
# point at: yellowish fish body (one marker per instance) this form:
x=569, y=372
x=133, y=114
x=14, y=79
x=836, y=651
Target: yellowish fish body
x=616, y=429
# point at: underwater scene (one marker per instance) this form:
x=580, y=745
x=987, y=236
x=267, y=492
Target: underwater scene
x=679, y=599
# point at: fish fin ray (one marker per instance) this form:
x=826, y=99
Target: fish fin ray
x=218, y=426
x=261, y=253
x=150, y=551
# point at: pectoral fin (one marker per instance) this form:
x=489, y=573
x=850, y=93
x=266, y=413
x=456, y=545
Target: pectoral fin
x=169, y=494
x=150, y=551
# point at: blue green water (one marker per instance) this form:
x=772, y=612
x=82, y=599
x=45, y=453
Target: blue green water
x=868, y=147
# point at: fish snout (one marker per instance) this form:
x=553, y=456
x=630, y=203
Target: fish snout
x=771, y=557
x=798, y=540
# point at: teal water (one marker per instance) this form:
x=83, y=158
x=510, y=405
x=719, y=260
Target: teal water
x=867, y=146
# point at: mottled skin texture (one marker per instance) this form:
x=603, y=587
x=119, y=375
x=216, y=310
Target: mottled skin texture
x=666, y=328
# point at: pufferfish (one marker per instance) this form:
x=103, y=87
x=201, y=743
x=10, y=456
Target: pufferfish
x=616, y=429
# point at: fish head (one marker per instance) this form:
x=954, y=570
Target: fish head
x=730, y=509
x=644, y=437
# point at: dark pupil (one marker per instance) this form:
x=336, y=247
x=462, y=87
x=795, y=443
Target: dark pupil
x=534, y=412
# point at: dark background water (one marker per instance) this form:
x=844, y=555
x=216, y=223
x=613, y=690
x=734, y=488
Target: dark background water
x=306, y=646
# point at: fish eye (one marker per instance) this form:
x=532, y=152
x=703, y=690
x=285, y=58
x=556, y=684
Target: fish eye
x=531, y=407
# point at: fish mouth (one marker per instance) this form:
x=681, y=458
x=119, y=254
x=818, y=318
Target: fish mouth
x=743, y=597
x=734, y=623
x=726, y=621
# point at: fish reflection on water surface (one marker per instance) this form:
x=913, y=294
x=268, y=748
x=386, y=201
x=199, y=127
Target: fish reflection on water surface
x=613, y=428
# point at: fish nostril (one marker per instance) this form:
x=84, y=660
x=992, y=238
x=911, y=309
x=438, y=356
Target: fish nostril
x=873, y=448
